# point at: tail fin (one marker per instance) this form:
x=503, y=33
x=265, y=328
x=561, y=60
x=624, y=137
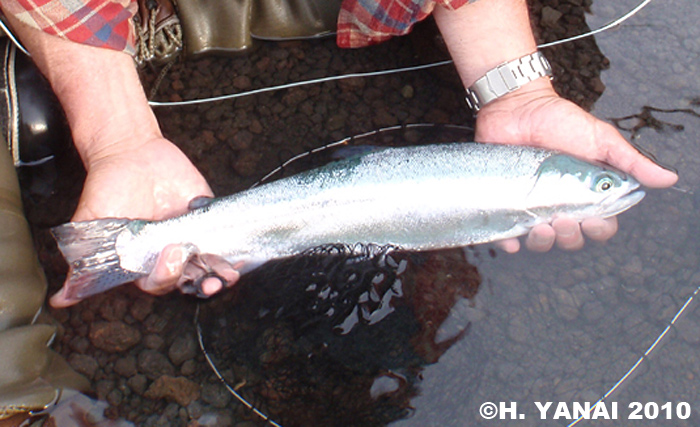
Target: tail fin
x=90, y=250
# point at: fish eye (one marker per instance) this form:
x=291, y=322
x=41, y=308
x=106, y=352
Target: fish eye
x=604, y=183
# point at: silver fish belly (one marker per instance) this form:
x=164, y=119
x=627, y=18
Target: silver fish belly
x=418, y=198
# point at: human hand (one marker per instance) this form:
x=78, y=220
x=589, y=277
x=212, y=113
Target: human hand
x=151, y=179
x=535, y=115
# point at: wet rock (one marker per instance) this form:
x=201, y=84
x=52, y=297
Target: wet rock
x=114, y=337
x=593, y=310
x=384, y=118
x=155, y=323
x=84, y=364
x=195, y=410
x=336, y=121
x=241, y=140
x=154, y=364
x=689, y=330
x=103, y=388
x=566, y=305
x=633, y=267
x=115, y=397
x=183, y=348
x=247, y=163
x=294, y=96
x=212, y=419
x=126, y=367
x=216, y=395
x=189, y=367
x=550, y=17
x=256, y=127
x=153, y=341
x=141, y=308
x=177, y=85
x=114, y=308
x=518, y=329
x=437, y=116
x=79, y=344
x=178, y=389
x=242, y=82
x=137, y=383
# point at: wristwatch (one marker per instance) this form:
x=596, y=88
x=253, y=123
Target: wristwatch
x=506, y=78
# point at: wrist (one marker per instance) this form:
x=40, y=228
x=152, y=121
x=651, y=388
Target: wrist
x=507, y=78
x=99, y=90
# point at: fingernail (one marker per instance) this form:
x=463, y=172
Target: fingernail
x=539, y=239
x=212, y=285
x=594, y=231
x=567, y=232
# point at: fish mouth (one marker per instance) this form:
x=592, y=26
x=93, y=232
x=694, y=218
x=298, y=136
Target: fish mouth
x=623, y=203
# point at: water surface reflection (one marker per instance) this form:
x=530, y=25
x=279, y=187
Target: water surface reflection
x=345, y=344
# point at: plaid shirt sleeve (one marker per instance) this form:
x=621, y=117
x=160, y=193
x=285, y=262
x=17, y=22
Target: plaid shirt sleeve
x=100, y=23
x=366, y=22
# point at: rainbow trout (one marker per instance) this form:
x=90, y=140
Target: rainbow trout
x=417, y=198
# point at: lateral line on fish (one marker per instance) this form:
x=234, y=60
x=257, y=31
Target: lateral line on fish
x=643, y=358
x=231, y=390
x=609, y=25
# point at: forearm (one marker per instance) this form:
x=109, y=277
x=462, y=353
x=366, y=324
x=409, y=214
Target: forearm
x=485, y=34
x=99, y=90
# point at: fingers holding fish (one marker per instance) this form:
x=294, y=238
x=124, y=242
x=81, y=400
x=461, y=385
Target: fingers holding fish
x=510, y=246
x=568, y=234
x=207, y=274
x=622, y=155
x=537, y=116
x=541, y=238
x=181, y=267
x=168, y=270
x=62, y=299
x=599, y=229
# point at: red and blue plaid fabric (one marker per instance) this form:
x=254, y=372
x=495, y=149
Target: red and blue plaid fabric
x=100, y=23
x=365, y=22
x=108, y=23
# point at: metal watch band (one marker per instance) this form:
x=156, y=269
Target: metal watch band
x=506, y=78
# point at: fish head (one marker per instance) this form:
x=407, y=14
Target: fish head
x=568, y=186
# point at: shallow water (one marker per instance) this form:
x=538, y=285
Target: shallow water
x=565, y=327
x=560, y=327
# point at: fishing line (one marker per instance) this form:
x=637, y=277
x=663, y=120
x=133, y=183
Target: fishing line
x=605, y=27
x=644, y=357
x=350, y=139
x=297, y=84
x=231, y=390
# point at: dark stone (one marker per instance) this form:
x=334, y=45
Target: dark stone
x=103, y=388
x=183, y=348
x=154, y=364
x=84, y=364
x=126, y=367
x=178, y=389
x=114, y=308
x=137, y=383
x=153, y=341
x=114, y=337
x=216, y=395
